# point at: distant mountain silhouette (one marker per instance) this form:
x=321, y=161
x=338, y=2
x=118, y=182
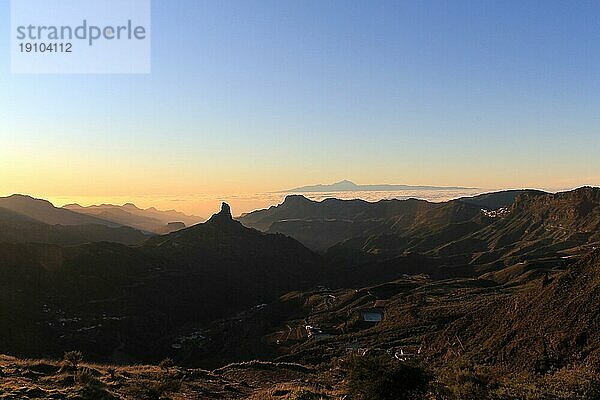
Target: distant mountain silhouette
x=348, y=186
x=24, y=219
x=149, y=220
x=46, y=212
x=18, y=228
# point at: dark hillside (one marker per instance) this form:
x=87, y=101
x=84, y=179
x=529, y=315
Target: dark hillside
x=113, y=300
x=18, y=228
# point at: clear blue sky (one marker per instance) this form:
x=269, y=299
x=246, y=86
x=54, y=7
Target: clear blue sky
x=260, y=95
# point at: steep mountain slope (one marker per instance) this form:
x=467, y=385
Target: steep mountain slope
x=252, y=262
x=44, y=211
x=115, y=301
x=550, y=323
x=536, y=310
x=536, y=226
x=296, y=207
x=149, y=220
x=320, y=225
x=549, y=225
x=17, y=228
x=370, y=227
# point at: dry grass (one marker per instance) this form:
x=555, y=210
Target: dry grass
x=49, y=379
x=53, y=379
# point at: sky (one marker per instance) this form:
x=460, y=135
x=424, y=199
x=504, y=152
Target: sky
x=249, y=97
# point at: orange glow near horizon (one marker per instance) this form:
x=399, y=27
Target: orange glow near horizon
x=197, y=188
x=204, y=205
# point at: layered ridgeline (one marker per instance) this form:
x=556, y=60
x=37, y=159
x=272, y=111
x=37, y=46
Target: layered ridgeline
x=323, y=224
x=501, y=279
x=148, y=220
x=532, y=310
x=44, y=211
x=24, y=219
x=489, y=232
x=116, y=301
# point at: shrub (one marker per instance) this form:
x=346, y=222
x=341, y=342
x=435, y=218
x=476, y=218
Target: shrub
x=385, y=378
x=91, y=387
x=84, y=376
x=112, y=373
x=95, y=391
x=155, y=390
x=572, y=383
x=466, y=381
x=308, y=395
x=73, y=358
x=167, y=363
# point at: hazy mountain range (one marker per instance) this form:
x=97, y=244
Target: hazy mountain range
x=44, y=211
x=504, y=280
x=26, y=219
x=348, y=186
x=149, y=220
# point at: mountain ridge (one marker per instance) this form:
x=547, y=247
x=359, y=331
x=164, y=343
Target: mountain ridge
x=44, y=211
x=429, y=275
x=149, y=219
x=185, y=277
x=19, y=228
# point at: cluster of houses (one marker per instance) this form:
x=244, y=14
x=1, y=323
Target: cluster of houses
x=499, y=213
x=397, y=353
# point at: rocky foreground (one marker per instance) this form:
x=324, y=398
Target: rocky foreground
x=44, y=379
x=367, y=377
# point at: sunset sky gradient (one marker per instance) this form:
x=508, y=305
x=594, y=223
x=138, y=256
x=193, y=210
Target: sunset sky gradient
x=257, y=96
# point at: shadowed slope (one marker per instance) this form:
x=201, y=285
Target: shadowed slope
x=44, y=211
x=551, y=323
x=194, y=275
x=18, y=228
x=150, y=219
